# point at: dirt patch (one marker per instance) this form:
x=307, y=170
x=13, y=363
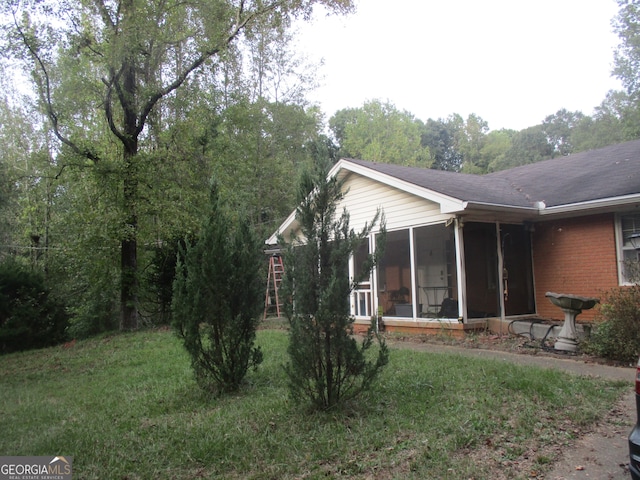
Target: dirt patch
x=518, y=344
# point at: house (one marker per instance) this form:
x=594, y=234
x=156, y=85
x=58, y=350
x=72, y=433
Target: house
x=464, y=250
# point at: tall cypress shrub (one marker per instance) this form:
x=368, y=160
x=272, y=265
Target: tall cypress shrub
x=217, y=299
x=327, y=366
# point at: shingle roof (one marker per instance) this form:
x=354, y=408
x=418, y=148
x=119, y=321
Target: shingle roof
x=608, y=172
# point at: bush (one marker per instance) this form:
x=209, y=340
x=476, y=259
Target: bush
x=29, y=315
x=217, y=300
x=617, y=336
x=159, y=280
x=327, y=366
x=95, y=310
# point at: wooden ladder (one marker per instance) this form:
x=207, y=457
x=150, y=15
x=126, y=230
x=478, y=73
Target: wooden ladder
x=274, y=279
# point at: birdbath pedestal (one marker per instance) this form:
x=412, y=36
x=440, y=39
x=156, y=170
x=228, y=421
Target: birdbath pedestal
x=572, y=306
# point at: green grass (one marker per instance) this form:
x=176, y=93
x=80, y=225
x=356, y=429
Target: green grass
x=127, y=407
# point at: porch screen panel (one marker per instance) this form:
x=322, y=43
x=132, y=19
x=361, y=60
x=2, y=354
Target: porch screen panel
x=481, y=269
x=435, y=271
x=394, y=276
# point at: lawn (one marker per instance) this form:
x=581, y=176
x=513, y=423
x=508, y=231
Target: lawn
x=127, y=407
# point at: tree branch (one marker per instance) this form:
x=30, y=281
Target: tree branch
x=45, y=94
x=180, y=79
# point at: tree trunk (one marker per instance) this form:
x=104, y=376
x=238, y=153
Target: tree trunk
x=129, y=249
x=129, y=242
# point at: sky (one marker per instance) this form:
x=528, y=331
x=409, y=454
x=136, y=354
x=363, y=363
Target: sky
x=511, y=62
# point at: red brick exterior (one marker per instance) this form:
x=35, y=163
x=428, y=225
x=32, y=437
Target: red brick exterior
x=575, y=256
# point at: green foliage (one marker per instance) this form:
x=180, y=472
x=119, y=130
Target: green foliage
x=627, y=55
x=94, y=309
x=217, y=300
x=109, y=79
x=29, y=315
x=618, y=336
x=558, y=129
x=327, y=366
x=527, y=146
x=256, y=155
x=440, y=137
x=159, y=280
x=381, y=133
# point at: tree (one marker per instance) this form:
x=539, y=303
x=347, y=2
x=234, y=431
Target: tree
x=495, y=146
x=559, y=128
x=259, y=150
x=627, y=54
x=527, y=146
x=615, y=120
x=471, y=139
x=217, y=299
x=381, y=133
x=440, y=137
x=103, y=68
x=326, y=366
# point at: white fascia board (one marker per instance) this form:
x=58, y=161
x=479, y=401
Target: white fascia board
x=611, y=202
x=447, y=204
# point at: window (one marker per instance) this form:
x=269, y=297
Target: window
x=435, y=271
x=630, y=225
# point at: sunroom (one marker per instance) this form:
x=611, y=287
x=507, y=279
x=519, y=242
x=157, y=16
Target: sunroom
x=439, y=275
x=446, y=263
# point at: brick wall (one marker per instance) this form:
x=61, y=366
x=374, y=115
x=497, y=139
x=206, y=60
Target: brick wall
x=575, y=256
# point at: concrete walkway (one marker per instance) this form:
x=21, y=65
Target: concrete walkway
x=600, y=455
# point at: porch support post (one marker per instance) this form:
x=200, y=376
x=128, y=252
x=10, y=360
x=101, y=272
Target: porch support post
x=412, y=260
x=460, y=270
x=500, y=274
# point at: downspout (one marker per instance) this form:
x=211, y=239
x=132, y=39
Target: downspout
x=460, y=271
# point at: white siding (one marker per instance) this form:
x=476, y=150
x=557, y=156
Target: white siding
x=401, y=209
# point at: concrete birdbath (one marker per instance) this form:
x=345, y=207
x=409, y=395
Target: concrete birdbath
x=572, y=306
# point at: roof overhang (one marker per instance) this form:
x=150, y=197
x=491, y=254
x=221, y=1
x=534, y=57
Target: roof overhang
x=477, y=210
x=344, y=167
x=447, y=203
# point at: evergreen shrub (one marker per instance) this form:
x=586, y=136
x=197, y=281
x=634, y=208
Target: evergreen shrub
x=217, y=299
x=327, y=365
x=30, y=317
